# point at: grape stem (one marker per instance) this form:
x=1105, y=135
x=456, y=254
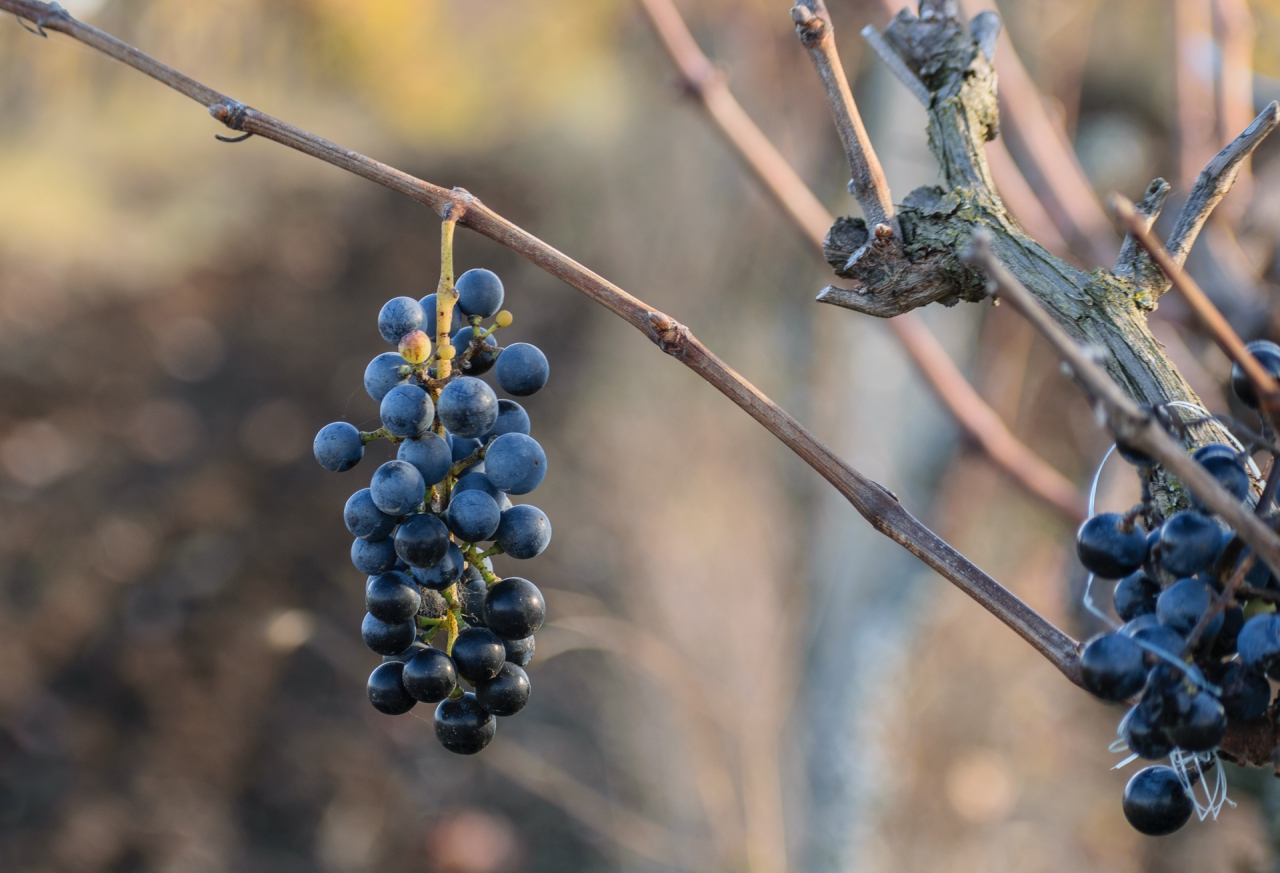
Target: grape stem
x=474, y=458
x=475, y=559
x=446, y=293
x=451, y=618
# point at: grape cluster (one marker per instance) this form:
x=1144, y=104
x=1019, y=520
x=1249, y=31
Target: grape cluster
x=436, y=611
x=1200, y=634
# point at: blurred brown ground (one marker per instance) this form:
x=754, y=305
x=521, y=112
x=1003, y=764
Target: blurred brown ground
x=181, y=675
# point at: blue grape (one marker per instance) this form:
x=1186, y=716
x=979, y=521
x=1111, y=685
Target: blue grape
x=373, y=557
x=1183, y=604
x=515, y=463
x=1189, y=543
x=514, y=608
x=480, y=293
x=387, y=638
x=461, y=449
x=407, y=411
x=430, y=455
x=504, y=694
x=462, y=726
x=430, y=676
x=468, y=407
x=522, y=369
x=473, y=516
x=523, y=532
x=422, y=540
x=392, y=597
x=365, y=520
x=443, y=574
x=477, y=482
x=1268, y=354
x=383, y=374
x=511, y=419
x=386, y=689
x=520, y=652
x=482, y=360
x=338, y=447
x=397, y=488
x=399, y=316
x=456, y=323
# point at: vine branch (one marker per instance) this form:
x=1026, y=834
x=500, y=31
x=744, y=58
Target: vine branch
x=874, y=502
x=973, y=414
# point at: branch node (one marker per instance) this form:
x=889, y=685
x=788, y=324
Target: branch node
x=668, y=334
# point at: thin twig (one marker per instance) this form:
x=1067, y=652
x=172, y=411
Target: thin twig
x=1127, y=265
x=1130, y=423
x=875, y=503
x=1214, y=182
x=973, y=413
x=896, y=65
x=868, y=185
x=1217, y=326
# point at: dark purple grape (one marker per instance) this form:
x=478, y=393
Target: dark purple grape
x=385, y=638
x=462, y=725
x=386, y=690
x=480, y=293
x=422, y=540
x=430, y=676
x=515, y=463
x=468, y=407
x=514, y=608
x=338, y=447
x=399, y=316
x=1189, y=543
x=504, y=694
x=1268, y=354
x=392, y=597
x=365, y=520
x=521, y=369
x=1155, y=802
x=478, y=654
x=1111, y=666
x=523, y=532
x=1109, y=548
x=1136, y=595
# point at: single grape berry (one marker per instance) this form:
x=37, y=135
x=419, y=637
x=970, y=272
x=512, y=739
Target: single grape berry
x=471, y=596
x=478, y=654
x=477, y=482
x=1136, y=595
x=479, y=293
x=461, y=449
x=365, y=520
x=386, y=689
x=1189, y=543
x=392, y=597
x=462, y=725
x=468, y=407
x=1155, y=802
x=515, y=463
x=473, y=516
x=505, y=694
x=480, y=360
x=1225, y=465
x=430, y=455
x=1183, y=604
x=521, y=369
x=430, y=676
x=397, y=488
x=415, y=347
x=399, y=316
x=1145, y=739
x=383, y=374
x=1202, y=727
x=520, y=652
x=407, y=411
x=338, y=447
x=386, y=638
x=1245, y=694
x=1259, y=642
x=443, y=574
x=1268, y=354
x=511, y=419
x=1111, y=666
x=422, y=540
x=1110, y=548
x=523, y=532
x=514, y=608
x=372, y=557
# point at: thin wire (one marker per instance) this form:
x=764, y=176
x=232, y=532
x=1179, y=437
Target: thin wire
x=1088, y=585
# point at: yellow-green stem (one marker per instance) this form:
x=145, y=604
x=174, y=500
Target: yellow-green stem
x=446, y=294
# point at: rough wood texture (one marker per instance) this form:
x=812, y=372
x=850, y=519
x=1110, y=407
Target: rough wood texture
x=1097, y=309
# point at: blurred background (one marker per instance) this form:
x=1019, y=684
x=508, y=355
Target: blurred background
x=737, y=674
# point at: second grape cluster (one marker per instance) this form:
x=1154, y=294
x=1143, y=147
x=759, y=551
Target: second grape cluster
x=429, y=522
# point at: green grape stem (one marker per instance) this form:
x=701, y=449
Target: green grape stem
x=476, y=559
